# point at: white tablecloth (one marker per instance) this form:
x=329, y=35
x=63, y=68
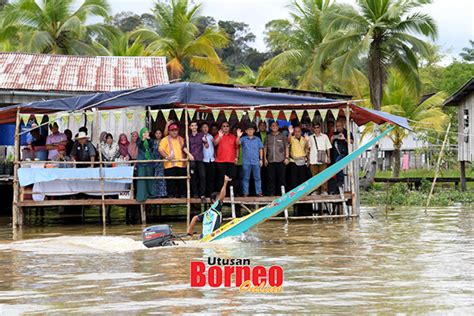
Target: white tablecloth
x=69, y=187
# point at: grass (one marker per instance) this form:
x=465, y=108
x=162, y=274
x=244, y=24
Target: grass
x=424, y=173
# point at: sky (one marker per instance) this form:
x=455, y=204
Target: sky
x=455, y=18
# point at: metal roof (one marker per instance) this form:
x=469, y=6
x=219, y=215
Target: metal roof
x=457, y=96
x=41, y=72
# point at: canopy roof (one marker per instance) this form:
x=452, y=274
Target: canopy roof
x=200, y=96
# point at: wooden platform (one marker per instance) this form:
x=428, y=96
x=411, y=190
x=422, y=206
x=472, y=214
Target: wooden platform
x=182, y=201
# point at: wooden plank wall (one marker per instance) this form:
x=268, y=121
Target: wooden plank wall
x=466, y=149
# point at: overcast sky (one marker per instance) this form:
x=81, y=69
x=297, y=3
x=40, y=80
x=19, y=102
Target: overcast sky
x=455, y=18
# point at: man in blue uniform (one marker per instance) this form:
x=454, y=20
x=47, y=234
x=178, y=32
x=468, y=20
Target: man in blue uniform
x=212, y=218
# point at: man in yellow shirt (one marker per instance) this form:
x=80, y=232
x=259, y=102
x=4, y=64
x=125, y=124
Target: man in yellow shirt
x=298, y=167
x=171, y=149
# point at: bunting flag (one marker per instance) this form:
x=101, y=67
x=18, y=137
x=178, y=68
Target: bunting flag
x=335, y=113
x=191, y=113
x=142, y=116
x=52, y=117
x=179, y=113
x=39, y=118
x=216, y=113
x=65, y=119
x=118, y=116
x=299, y=114
x=25, y=118
x=90, y=116
x=129, y=115
x=77, y=117
x=227, y=114
x=323, y=114
x=287, y=114
x=275, y=114
x=166, y=114
x=251, y=115
x=311, y=114
x=239, y=114
x=104, y=116
x=154, y=114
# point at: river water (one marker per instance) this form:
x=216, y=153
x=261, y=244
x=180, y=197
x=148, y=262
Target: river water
x=405, y=261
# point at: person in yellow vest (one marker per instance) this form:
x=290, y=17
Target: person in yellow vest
x=298, y=166
x=171, y=149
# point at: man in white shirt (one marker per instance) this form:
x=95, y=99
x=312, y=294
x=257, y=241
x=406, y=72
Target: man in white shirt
x=319, y=154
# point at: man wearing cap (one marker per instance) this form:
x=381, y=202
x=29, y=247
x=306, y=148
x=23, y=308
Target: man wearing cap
x=171, y=149
x=83, y=150
x=54, y=140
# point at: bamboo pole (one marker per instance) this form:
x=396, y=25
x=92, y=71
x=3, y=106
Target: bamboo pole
x=16, y=216
x=188, y=171
x=350, y=167
x=437, y=167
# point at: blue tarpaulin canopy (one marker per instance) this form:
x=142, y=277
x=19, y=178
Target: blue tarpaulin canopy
x=197, y=95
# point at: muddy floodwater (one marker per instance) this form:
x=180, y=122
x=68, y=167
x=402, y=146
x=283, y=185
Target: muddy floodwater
x=407, y=261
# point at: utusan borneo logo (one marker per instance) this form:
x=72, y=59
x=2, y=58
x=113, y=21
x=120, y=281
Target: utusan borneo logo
x=237, y=273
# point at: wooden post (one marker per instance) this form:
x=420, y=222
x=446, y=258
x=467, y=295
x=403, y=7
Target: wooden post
x=350, y=168
x=188, y=171
x=143, y=213
x=437, y=168
x=16, y=210
x=286, y=210
x=356, y=201
x=463, y=175
x=102, y=184
x=232, y=201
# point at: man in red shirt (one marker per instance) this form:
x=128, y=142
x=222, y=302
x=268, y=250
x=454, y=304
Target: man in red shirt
x=226, y=153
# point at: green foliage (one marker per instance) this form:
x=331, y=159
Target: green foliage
x=129, y=21
x=468, y=52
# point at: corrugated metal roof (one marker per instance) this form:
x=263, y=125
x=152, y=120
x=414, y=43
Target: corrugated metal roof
x=40, y=72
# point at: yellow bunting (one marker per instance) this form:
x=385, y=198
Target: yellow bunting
x=311, y=114
x=191, y=113
x=118, y=116
x=142, y=116
x=323, y=114
x=90, y=116
x=179, y=113
x=287, y=114
x=239, y=114
x=77, y=117
x=52, y=117
x=39, y=118
x=227, y=114
x=335, y=113
x=275, y=114
x=105, y=116
x=251, y=115
x=129, y=115
x=154, y=114
x=299, y=114
x=216, y=113
x=65, y=119
x=25, y=118
x=166, y=114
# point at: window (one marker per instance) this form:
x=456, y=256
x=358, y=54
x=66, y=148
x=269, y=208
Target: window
x=466, y=126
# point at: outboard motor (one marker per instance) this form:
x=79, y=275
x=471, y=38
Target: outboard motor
x=158, y=236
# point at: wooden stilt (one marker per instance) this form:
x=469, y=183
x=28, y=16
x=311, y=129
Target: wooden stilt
x=16, y=210
x=232, y=201
x=350, y=168
x=102, y=184
x=143, y=213
x=188, y=171
x=463, y=175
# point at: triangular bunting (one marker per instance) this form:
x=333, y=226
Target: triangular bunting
x=166, y=114
x=129, y=115
x=90, y=116
x=311, y=114
x=154, y=114
x=142, y=115
x=239, y=115
x=179, y=113
x=287, y=114
x=52, y=117
x=118, y=116
x=39, y=118
x=227, y=114
x=299, y=114
x=323, y=114
x=104, y=116
x=251, y=115
x=65, y=119
x=77, y=117
x=191, y=113
x=275, y=114
x=335, y=113
x=25, y=118
x=216, y=113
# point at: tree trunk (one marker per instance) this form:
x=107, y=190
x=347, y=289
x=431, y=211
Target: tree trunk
x=396, y=161
x=376, y=79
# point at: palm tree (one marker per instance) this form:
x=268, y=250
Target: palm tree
x=250, y=77
x=385, y=32
x=426, y=116
x=52, y=26
x=177, y=37
x=303, y=43
x=119, y=44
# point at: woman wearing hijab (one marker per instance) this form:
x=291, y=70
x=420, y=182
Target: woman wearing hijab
x=109, y=149
x=159, y=187
x=145, y=148
x=123, y=146
x=132, y=147
x=102, y=138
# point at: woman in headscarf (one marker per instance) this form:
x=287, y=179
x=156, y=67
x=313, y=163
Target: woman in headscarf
x=159, y=185
x=109, y=149
x=123, y=146
x=145, y=148
x=132, y=147
x=102, y=138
